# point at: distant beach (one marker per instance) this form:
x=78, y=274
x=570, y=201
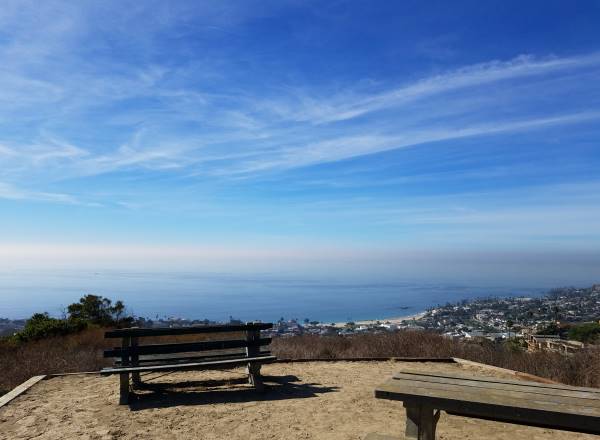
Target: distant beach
x=397, y=320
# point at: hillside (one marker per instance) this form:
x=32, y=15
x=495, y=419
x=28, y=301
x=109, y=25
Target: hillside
x=83, y=352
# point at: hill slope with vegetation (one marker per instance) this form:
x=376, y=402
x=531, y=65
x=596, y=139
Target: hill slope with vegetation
x=75, y=343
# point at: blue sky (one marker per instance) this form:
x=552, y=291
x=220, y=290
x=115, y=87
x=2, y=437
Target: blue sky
x=299, y=130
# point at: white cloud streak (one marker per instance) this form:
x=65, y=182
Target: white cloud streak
x=350, y=147
x=348, y=106
x=74, y=117
x=10, y=192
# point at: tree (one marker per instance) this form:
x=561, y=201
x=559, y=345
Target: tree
x=96, y=310
x=118, y=310
x=509, y=324
x=587, y=333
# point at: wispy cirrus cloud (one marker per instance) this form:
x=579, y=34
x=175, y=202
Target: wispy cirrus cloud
x=76, y=111
x=349, y=147
x=348, y=105
x=11, y=192
x=248, y=139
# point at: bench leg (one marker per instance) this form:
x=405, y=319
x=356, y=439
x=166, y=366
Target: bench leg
x=136, y=380
x=254, y=377
x=135, y=358
x=421, y=422
x=124, y=389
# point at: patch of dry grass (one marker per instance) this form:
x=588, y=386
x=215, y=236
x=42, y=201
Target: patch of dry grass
x=581, y=369
x=83, y=352
x=71, y=353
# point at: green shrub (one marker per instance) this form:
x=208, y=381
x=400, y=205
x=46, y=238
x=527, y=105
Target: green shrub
x=98, y=310
x=588, y=332
x=41, y=326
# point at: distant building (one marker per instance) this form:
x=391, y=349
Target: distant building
x=553, y=343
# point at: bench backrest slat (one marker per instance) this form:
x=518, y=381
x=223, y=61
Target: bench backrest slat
x=185, y=347
x=168, y=331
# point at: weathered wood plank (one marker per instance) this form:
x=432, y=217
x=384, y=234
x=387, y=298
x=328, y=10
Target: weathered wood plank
x=252, y=350
x=495, y=406
x=421, y=422
x=510, y=398
x=124, y=377
x=592, y=399
x=190, y=366
x=135, y=362
x=552, y=386
x=153, y=359
x=184, y=347
x=168, y=331
x=16, y=392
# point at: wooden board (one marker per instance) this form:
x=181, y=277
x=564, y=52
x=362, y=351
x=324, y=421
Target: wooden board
x=552, y=385
x=502, y=400
x=168, y=331
x=578, y=397
x=183, y=358
x=184, y=347
x=190, y=366
x=15, y=392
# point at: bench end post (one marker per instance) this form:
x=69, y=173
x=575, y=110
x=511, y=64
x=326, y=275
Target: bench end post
x=421, y=422
x=124, y=389
x=253, y=350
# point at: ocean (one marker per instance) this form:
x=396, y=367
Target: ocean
x=219, y=296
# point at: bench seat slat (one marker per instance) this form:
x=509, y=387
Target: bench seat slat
x=592, y=399
x=189, y=366
x=181, y=359
x=515, y=399
x=498, y=380
x=184, y=347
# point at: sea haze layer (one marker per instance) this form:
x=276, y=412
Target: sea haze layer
x=219, y=296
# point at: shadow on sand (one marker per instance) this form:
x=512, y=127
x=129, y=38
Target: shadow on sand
x=169, y=394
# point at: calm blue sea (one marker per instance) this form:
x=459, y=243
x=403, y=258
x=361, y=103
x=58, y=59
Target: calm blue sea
x=219, y=296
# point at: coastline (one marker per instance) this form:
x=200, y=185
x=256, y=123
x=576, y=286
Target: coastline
x=394, y=320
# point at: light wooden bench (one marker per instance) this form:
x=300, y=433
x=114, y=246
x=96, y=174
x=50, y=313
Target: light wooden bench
x=521, y=402
x=134, y=358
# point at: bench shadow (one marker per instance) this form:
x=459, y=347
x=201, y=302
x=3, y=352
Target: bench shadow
x=165, y=395
x=157, y=386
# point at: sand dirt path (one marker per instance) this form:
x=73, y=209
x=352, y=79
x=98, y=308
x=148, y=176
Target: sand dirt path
x=316, y=400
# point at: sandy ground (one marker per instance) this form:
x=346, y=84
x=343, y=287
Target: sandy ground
x=316, y=400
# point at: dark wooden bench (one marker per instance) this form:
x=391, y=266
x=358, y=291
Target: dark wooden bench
x=552, y=406
x=134, y=358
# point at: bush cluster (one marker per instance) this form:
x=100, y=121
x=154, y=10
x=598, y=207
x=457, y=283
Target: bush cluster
x=91, y=310
x=41, y=326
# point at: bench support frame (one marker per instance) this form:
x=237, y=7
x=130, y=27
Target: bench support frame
x=421, y=421
x=253, y=368
x=135, y=358
x=124, y=377
x=129, y=353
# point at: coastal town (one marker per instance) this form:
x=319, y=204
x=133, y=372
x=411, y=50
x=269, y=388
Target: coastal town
x=537, y=323
x=492, y=318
